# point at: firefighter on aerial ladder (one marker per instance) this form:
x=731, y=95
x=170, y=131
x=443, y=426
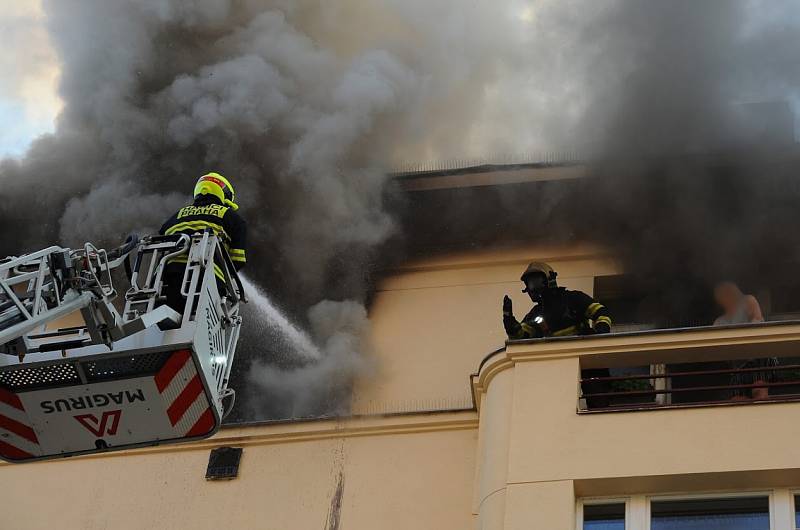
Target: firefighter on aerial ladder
x=559, y=312
x=214, y=208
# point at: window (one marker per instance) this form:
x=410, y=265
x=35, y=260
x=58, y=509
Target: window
x=738, y=513
x=604, y=517
x=797, y=512
x=778, y=509
x=637, y=303
x=622, y=297
x=783, y=299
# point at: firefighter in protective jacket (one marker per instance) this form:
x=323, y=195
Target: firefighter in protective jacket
x=214, y=208
x=558, y=312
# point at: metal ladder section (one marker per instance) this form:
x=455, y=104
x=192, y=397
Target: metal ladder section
x=212, y=302
x=215, y=301
x=40, y=288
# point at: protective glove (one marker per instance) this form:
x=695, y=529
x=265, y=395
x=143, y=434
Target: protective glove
x=602, y=328
x=508, y=307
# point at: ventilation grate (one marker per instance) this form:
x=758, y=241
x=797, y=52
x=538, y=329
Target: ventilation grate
x=125, y=366
x=41, y=376
x=223, y=463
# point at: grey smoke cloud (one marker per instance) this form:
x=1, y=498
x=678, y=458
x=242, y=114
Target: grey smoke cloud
x=321, y=386
x=306, y=104
x=298, y=105
x=673, y=87
x=684, y=112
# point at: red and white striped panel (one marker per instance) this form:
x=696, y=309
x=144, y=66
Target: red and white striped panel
x=181, y=389
x=18, y=440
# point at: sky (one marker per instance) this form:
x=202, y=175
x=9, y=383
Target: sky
x=29, y=102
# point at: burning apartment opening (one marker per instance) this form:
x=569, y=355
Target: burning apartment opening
x=394, y=264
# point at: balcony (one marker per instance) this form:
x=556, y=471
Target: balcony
x=676, y=414
x=671, y=368
x=754, y=364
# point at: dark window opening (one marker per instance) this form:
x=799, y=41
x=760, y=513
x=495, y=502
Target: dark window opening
x=621, y=296
x=638, y=304
x=604, y=517
x=740, y=513
x=634, y=302
x=785, y=299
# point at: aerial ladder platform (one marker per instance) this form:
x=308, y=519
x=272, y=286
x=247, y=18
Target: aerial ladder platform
x=131, y=371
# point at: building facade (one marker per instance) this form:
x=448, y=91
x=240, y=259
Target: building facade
x=455, y=428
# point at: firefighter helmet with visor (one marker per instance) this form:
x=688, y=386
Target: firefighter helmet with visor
x=218, y=186
x=541, y=270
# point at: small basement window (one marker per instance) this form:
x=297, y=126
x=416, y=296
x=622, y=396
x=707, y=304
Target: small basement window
x=223, y=463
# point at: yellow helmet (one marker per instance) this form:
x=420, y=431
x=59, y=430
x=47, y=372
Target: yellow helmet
x=218, y=186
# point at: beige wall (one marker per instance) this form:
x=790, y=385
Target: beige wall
x=396, y=473
x=699, y=440
x=433, y=322
x=521, y=466
x=540, y=506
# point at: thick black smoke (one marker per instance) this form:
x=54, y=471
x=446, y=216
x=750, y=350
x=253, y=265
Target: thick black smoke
x=692, y=116
x=683, y=112
x=302, y=104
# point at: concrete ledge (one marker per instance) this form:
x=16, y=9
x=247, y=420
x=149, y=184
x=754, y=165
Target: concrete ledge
x=303, y=431
x=688, y=483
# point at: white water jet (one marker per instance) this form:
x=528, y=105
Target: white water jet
x=276, y=320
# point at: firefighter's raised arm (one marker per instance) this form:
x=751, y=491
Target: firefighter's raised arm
x=513, y=327
x=530, y=327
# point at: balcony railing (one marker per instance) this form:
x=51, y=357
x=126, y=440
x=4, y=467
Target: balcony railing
x=760, y=368
x=691, y=388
